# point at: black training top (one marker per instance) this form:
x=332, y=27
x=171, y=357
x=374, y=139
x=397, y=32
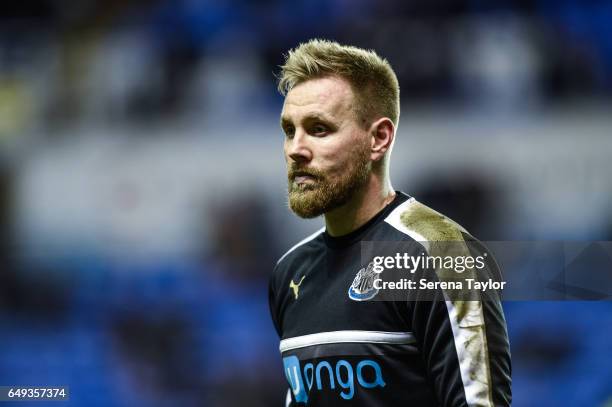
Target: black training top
x=340, y=346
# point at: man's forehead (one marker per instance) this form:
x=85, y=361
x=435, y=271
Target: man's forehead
x=329, y=96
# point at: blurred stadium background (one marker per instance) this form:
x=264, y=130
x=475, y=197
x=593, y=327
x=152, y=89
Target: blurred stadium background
x=142, y=184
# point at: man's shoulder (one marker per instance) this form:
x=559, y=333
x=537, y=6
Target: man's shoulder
x=310, y=242
x=424, y=224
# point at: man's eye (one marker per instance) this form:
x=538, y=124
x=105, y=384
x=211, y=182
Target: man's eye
x=289, y=131
x=319, y=129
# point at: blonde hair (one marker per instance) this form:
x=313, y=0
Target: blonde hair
x=371, y=77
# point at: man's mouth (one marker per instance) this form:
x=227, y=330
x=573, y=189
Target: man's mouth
x=301, y=177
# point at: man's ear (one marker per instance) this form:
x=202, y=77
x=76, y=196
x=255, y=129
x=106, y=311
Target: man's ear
x=382, y=133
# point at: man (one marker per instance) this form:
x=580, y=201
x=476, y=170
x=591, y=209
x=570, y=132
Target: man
x=340, y=344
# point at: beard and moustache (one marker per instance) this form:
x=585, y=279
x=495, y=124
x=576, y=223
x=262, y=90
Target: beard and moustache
x=325, y=194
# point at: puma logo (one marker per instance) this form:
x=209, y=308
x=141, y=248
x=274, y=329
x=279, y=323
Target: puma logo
x=296, y=287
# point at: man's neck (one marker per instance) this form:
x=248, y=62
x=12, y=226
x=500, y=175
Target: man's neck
x=366, y=203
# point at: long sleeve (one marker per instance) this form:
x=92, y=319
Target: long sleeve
x=465, y=348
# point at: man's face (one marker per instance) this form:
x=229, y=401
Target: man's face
x=326, y=150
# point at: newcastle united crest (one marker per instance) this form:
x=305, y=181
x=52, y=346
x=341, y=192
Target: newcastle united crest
x=362, y=288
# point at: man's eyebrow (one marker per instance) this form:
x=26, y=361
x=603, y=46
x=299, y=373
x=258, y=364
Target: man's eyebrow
x=307, y=117
x=318, y=116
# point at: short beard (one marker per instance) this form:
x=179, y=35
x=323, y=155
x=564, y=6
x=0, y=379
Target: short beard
x=309, y=201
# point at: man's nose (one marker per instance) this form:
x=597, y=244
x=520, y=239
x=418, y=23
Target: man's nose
x=298, y=148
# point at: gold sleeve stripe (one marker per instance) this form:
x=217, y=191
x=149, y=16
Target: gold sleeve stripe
x=432, y=230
